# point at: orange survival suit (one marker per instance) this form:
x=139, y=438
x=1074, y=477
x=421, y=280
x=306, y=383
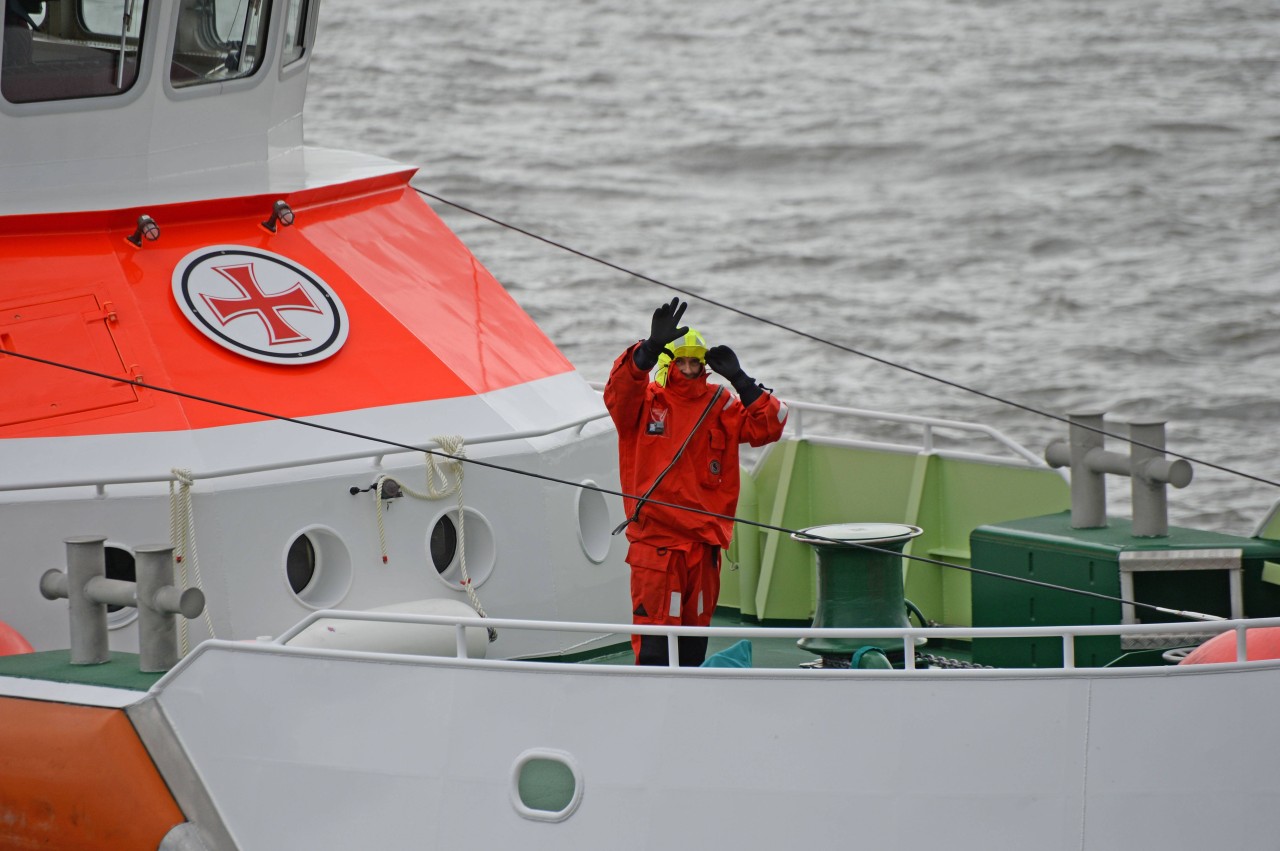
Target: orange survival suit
x=675, y=554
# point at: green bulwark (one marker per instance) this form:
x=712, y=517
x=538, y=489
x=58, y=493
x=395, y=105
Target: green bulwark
x=800, y=483
x=1047, y=549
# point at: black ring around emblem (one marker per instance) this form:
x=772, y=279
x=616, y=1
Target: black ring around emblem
x=324, y=291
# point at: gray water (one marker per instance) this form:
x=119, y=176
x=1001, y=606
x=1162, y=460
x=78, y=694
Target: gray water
x=1068, y=203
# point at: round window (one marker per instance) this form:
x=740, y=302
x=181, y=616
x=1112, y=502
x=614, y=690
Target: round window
x=317, y=567
x=546, y=785
x=444, y=543
x=593, y=523
x=300, y=564
x=445, y=547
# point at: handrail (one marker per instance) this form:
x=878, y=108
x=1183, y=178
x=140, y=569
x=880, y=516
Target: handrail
x=927, y=423
x=377, y=455
x=905, y=636
x=796, y=424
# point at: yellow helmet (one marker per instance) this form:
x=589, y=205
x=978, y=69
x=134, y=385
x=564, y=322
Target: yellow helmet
x=691, y=345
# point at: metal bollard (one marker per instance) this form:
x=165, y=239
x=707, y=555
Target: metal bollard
x=158, y=601
x=89, y=592
x=1151, y=472
x=1146, y=466
x=86, y=562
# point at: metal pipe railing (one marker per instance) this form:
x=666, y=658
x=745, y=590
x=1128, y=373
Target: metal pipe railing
x=927, y=424
x=796, y=428
x=100, y=482
x=904, y=636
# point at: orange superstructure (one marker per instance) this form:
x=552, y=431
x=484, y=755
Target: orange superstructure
x=426, y=320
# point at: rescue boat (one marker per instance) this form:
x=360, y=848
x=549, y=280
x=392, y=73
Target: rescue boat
x=165, y=229
x=308, y=544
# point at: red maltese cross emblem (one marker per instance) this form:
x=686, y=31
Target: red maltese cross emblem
x=259, y=304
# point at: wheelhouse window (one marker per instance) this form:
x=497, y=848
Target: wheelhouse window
x=66, y=49
x=295, y=31
x=219, y=40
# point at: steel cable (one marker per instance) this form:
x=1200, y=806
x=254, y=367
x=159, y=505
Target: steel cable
x=842, y=347
x=585, y=486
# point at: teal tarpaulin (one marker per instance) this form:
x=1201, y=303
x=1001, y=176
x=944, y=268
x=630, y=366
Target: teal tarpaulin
x=735, y=656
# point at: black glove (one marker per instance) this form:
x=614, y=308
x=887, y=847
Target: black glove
x=664, y=328
x=722, y=360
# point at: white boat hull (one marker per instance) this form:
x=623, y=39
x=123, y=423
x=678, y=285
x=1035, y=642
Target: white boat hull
x=422, y=753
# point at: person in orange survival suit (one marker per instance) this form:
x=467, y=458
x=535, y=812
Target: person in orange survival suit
x=678, y=440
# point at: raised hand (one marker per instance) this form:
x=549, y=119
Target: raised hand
x=666, y=326
x=722, y=360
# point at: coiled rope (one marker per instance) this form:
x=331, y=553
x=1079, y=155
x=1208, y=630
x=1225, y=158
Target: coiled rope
x=448, y=468
x=182, y=534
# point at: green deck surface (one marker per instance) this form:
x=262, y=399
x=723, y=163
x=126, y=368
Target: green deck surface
x=121, y=671
x=773, y=652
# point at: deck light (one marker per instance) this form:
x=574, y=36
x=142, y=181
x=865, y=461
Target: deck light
x=147, y=229
x=280, y=212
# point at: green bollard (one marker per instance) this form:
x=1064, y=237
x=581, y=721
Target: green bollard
x=857, y=587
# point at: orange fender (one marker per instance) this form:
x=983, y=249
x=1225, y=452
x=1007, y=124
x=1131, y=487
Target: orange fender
x=1261, y=643
x=11, y=641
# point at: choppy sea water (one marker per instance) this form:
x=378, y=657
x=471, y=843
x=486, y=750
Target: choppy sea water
x=1070, y=204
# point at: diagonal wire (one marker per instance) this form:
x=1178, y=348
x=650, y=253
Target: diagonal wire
x=844, y=348
x=584, y=486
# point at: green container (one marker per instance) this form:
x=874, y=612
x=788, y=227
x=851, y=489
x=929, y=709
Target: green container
x=859, y=581
x=1047, y=549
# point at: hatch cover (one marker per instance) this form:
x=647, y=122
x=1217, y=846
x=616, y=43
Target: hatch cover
x=71, y=330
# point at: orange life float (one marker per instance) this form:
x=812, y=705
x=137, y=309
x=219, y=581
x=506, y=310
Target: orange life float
x=11, y=641
x=1261, y=643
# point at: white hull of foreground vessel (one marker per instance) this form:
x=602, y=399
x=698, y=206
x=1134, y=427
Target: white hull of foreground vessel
x=314, y=749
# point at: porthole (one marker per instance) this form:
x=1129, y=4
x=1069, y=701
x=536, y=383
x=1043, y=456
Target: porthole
x=120, y=565
x=593, y=523
x=317, y=567
x=443, y=543
x=300, y=564
x=546, y=785
x=444, y=547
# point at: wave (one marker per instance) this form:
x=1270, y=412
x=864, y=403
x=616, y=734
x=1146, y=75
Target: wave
x=721, y=157
x=1190, y=127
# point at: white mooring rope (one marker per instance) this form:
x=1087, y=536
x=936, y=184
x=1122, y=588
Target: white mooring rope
x=182, y=534
x=449, y=471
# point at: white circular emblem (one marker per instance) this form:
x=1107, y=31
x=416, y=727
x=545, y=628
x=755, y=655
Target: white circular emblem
x=259, y=304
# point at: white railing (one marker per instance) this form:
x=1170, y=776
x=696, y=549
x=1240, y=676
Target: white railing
x=796, y=424
x=100, y=483
x=796, y=429
x=888, y=637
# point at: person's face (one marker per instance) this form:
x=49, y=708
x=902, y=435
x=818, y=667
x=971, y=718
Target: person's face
x=689, y=367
